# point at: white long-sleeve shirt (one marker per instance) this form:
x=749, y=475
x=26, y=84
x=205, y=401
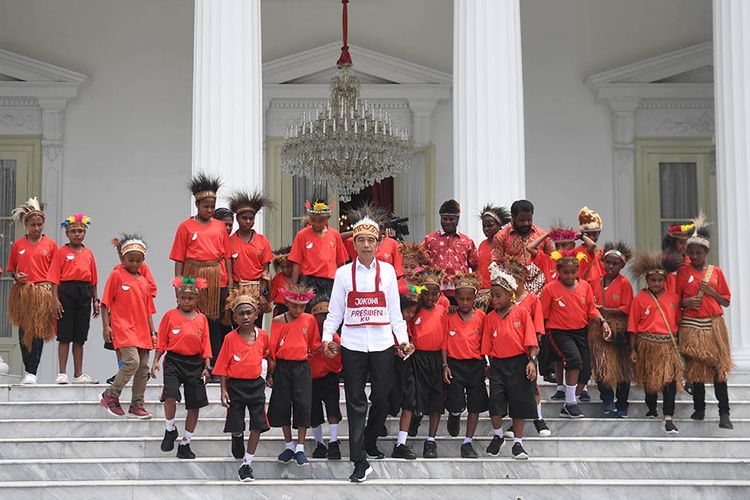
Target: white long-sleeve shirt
x=366, y=338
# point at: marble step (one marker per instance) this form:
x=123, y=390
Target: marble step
x=449, y=447
x=113, y=427
x=375, y=488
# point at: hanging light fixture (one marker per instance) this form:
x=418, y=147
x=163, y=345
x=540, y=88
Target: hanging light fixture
x=346, y=143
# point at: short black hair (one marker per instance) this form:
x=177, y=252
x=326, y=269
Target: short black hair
x=668, y=243
x=222, y=213
x=519, y=206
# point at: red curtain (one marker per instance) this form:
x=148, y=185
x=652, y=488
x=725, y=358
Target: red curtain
x=382, y=194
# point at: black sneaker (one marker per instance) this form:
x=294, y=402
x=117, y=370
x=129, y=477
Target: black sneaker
x=541, y=428
x=167, y=444
x=519, y=453
x=454, y=424
x=585, y=396
x=494, y=447
x=375, y=453
x=670, y=427
x=698, y=415
x=334, y=453
x=558, y=396
x=246, y=473
x=652, y=414
x=361, y=471
x=468, y=451
x=430, y=450
x=571, y=411
x=238, y=446
x=111, y=379
x=724, y=422
x=301, y=458
x=414, y=425
x=403, y=451
x=184, y=451
x=320, y=451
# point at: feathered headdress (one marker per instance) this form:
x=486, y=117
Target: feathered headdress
x=280, y=256
x=318, y=207
x=429, y=276
x=681, y=230
x=589, y=220
x=515, y=268
x=501, y=215
x=298, y=294
x=415, y=252
x=76, y=220
x=241, y=202
x=126, y=243
x=701, y=236
x=367, y=210
x=568, y=256
x=560, y=234
x=189, y=284
x=242, y=295
x=646, y=263
x=204, y=186
x=619, y=249
x=467, y=280
x=319, y=304
x=501, y=278
x=31, y=208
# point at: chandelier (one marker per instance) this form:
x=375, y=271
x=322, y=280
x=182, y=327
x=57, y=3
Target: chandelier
x=346, y=143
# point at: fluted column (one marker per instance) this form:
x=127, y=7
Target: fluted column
x=488, y=136
x=227, y=94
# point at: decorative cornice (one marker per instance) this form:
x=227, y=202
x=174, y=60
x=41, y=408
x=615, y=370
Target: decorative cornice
x=31, y=70
x=17, y=120
x=677, y=104
x=292, y=103
x=7, y=101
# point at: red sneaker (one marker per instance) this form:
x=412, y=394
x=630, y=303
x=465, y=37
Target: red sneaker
x=138, y=411
x=112, y=404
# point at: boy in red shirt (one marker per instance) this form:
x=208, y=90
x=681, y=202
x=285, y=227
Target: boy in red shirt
x=509, y=340
x=568, y=305
x=463, y=364
x=240, y=368
x=73, y=276
x=652, y=322
x=184, y=337
x=283, y=269
x=127, y=309
x=30, y=296
x=294, y=337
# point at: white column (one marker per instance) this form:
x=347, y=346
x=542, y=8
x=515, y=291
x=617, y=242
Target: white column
x=732, y=91
x=488, y=139
x=623, y=194
x=53, y=111
x=227, y=94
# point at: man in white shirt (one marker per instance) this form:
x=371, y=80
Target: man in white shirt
x=365, y=299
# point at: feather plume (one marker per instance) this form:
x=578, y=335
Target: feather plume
x=241, y=201
x=500, y=214
x=32, y=207
x=377, y=214
x=618, y=247
x=202, y=182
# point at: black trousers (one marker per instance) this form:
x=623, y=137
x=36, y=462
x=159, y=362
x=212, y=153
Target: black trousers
x=608, y=394
x=669, y=391
x=721, y=391
x=31, y=358
x=356, y=368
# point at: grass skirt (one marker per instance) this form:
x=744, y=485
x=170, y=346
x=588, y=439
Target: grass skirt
x=209, y=297
x=705, y=344
x=658, y=362
x=610, y=362
x=29, y=307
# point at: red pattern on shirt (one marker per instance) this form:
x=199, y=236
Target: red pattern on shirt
x=453, y=253
x=509, y=243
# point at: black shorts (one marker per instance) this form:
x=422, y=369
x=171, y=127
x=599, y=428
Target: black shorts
x=321, y=286
x=184, y=371
x=511, y=393
x=325, y=392
x=547, y=355
x=467, y=389
x=250, y=394
x=75, y=297
x=292, y=389
x=403, y=394
x=573, y=348
x=428, y=374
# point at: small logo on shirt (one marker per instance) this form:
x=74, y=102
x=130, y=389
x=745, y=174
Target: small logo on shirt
x=387, y=255
x=126, y=287
x=517, y=324
x=309, y=245
x=70, y=257
x=452, y=333
x=647, y=311
x=304, y=331
x=418, y=321
x=494, y=334
x=616, y=296
x=21, y=252
x=561, y=303
x=237, y=358
x=195, y=236
x=332, y=244
x=235, y=255
x=691, y=279
x=176, y=331
x=281, y=342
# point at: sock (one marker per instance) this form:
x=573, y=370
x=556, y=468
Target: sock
x=300, y=447
x=318, y=433
x=120, y=363
x=430, y=439
x=248, y=458
x=186, y=437
x=467, y=439
x=570, y=395
x=333, y=429
x=518, y=440
x=402, y=437
x=560, y=387
x=539, y=411
x=667, y=417
x=170, y=425
x=498, y=432
x=456, y=414
x=290, y=445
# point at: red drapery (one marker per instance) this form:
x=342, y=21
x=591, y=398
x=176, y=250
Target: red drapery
x=382, y=194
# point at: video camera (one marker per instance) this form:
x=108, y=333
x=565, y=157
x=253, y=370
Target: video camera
x=399, y=226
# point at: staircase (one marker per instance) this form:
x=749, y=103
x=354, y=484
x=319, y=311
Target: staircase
x=57, y=442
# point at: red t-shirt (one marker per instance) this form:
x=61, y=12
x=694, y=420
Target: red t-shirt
x=645, y=317
x=547, y=265
x=146, y=273
x=68, y=265
x=249, y=260
x=509, y=336
x=33, y=259
x=591, y=269
x=463, y=339
x=130, y=305
x=671, y=278
x=321, y=365
x=318, y=256
x=688, y=282
x=294, y=341
x=238, y=359
x=533, y=305
x=484, y=259
x=277, y=283
x=618, y=295
x=387, y=252
x=568, y=309
x=427, y=329
x=180, y=335
x=204, y=242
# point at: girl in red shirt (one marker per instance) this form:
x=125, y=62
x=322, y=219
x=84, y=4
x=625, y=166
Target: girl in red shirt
x=30, y=300
x=184, y=337
x=493, y=220
x=590, y=225
x=283, y=269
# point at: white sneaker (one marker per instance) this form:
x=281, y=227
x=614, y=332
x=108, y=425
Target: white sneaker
x=84, y=379
x=62, y=378
x=28, y=379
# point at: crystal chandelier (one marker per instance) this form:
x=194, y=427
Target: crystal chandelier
x=347, y=143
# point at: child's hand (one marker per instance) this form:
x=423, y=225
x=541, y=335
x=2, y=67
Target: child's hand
x=225, y=399
x=205, y=376
x=706, y=288
x=20, y=277
x=107, y=333
x=57, y=308
x=154, y=369
x=269, y=382
x=447, y=375
x=606, y=332
x=97, y=308
x=692, y=302
x=531, y=370
x=406, y=349
x=331, y=349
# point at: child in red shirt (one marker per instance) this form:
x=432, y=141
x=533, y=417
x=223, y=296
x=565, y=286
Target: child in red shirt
x=652, y=322
x=463, y=364
x=239, y=367
x=493, y=219
x=184, y=337
x=30, y=298
x=590, y=225
x=283, y=269
x=73, y=276
x=509, y=340
x=294, y=337
x=127, y=309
